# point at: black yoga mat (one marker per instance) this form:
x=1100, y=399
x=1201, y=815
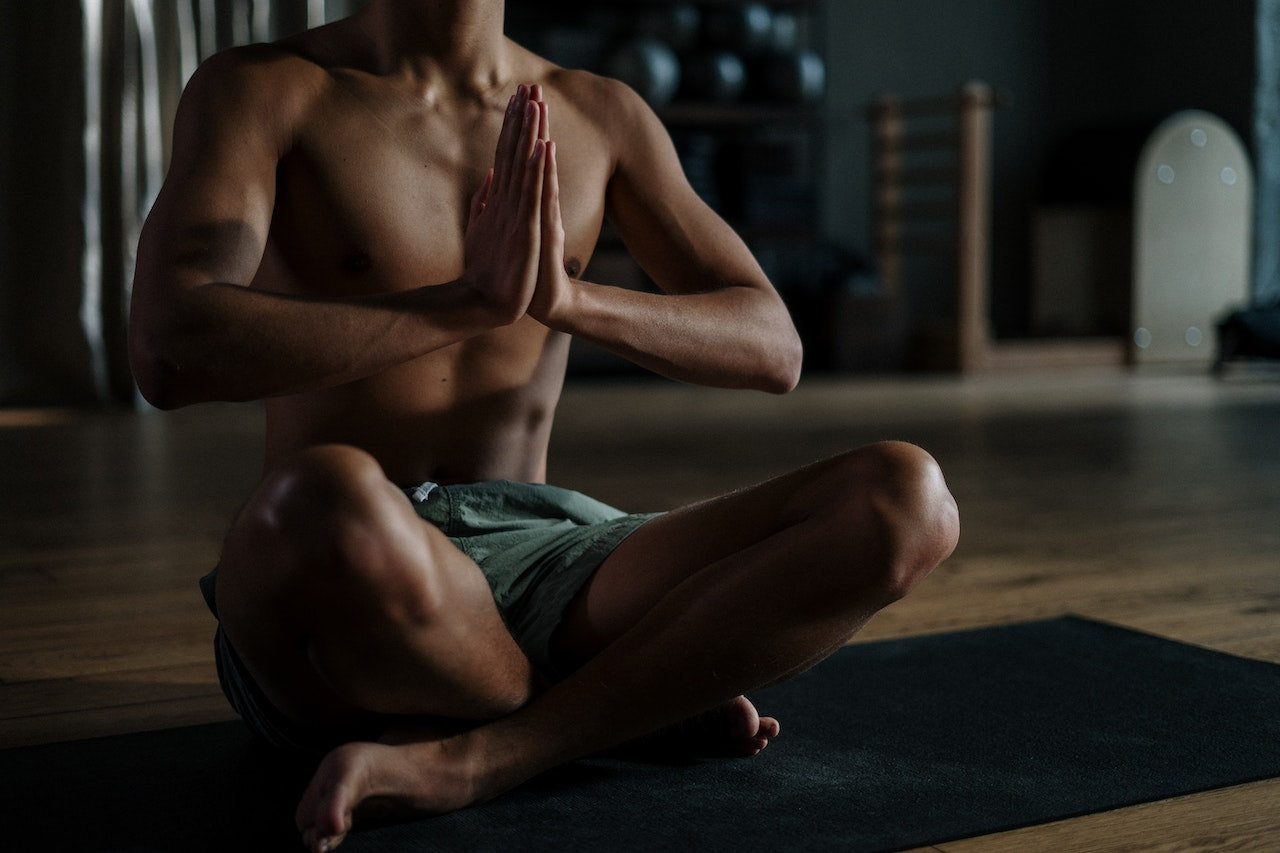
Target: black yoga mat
x=885, y=746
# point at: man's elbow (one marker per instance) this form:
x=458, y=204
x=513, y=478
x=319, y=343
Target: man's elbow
x=781, y=366
x=153, y=381
x=159, y=381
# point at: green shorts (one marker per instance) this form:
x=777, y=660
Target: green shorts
x=537, y=546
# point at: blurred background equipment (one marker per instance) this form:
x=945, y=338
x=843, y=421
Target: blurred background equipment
x=649, y=66
x=1192, y=239
x=743, y=27
x=797, y=76
x=718, y=76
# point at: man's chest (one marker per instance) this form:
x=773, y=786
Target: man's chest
x=367, y=201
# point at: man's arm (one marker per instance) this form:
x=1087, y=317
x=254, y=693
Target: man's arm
x=198, y=332
x=719, y=321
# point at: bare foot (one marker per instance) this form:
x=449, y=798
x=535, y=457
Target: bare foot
x=411, y=777
x=735, y=728
x=732, y=729
x=376, y=780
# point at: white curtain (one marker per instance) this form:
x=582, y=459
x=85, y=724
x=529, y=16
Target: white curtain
x=138, y=54
x=87, y=96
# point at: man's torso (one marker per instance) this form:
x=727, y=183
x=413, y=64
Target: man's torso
x=373, y=196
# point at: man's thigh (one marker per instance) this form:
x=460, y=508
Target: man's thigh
x=671, y=548
x=353, y=604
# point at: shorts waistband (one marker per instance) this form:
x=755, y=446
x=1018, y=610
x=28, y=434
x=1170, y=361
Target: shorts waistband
x=421, y=494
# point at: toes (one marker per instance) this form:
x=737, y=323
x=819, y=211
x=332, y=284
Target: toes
x=766, y=728
x=329, y=843
x=316, y=843
x=324, y=813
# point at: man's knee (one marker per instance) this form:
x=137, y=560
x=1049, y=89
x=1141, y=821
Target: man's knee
x=895, y=494
x=318, y=486
x=329, y=522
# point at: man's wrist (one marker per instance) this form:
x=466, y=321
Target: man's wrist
x=557, y=313
x=466, y=307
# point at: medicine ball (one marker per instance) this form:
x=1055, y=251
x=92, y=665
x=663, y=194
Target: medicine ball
x=649, y=66
x=714, y=76
x=744, y=28
x=785, y=35
x=799, y=77
x=678, y=25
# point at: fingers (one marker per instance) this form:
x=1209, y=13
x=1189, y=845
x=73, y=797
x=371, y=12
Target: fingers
x=532, y=188
x=552, y=229
x=529, y=137
x=521, y=152
x=517, y=182
x=513, y=123
x=525, y=122
x=506, y=238
x=544, y=125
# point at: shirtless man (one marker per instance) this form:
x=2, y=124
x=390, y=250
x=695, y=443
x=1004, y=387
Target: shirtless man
x=320, y=243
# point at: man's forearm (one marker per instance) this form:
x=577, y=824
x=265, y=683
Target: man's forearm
x=730, y=337
x=719, y=322
x=227, y=342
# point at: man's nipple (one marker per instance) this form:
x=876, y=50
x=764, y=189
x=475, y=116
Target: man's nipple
x=573, y=267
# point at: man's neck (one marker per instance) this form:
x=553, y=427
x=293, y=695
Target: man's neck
x=457, y=43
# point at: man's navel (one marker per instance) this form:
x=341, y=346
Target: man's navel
x=356, y=263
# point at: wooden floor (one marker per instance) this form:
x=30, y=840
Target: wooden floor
x=1149, y=500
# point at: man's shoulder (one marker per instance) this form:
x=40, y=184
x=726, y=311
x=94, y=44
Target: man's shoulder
x=611, y=105
x=270, y=70
x=590, y=90
x=267, y=87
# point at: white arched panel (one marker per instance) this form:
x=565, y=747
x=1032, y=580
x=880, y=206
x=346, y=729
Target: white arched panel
x=1193, y=223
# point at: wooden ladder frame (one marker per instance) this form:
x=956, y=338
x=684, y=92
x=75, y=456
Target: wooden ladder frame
x=942, y=147
x=957, y=128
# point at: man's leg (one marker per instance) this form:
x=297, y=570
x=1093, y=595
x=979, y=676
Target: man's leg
x=342, y=603
x=692, y=610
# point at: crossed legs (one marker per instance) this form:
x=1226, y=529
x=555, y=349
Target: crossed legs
x=693, y=610
x=343, y=603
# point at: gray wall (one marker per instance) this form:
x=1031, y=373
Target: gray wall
x=1114, y=67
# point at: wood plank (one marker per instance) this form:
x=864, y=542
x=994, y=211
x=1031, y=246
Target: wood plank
x=1240, y=818
x=61, y=725
x=70, y=695
x=1144, y=499
x=1036, y=354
